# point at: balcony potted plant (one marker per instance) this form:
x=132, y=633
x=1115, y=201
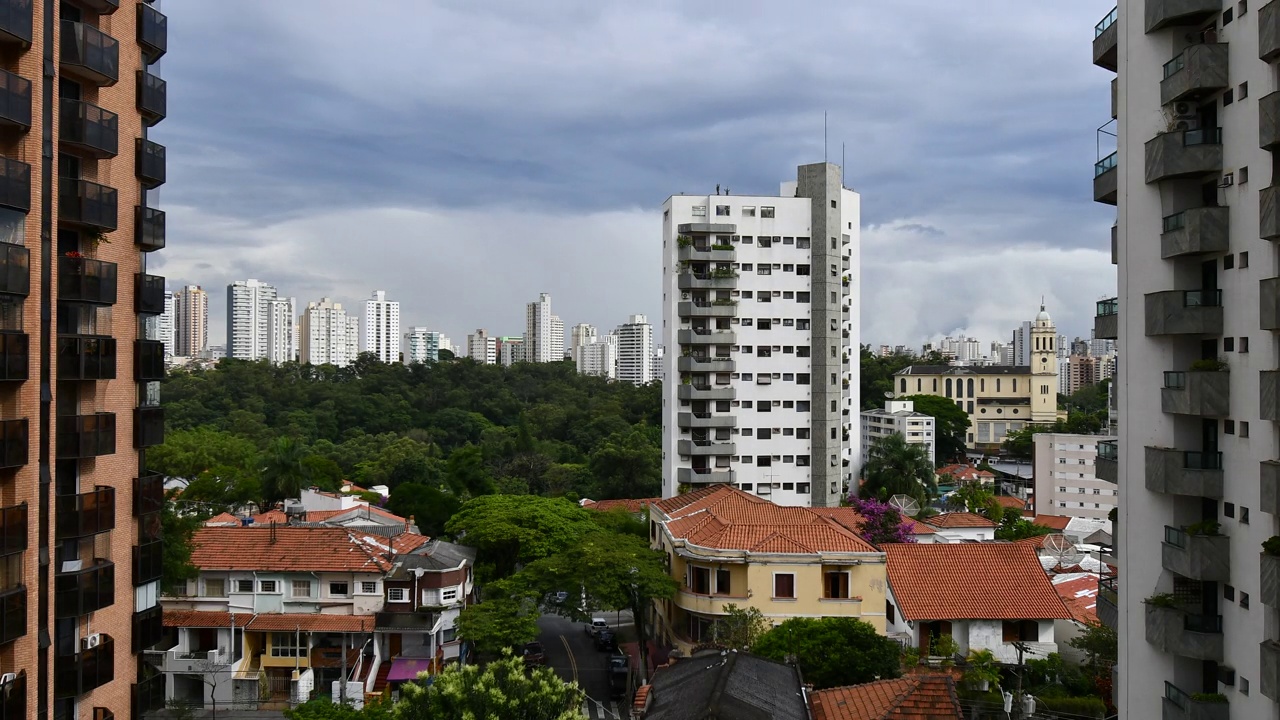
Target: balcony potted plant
x=1161, y=600
x=1209, y=365
x=943, y=651
x=684, y=241
x=981, y=670
x=1204, y=528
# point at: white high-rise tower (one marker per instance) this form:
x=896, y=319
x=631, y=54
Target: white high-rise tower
x=544, y=332
x=247, y=305
x=382, y=327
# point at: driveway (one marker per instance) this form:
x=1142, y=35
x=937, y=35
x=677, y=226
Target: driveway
x=572, y=653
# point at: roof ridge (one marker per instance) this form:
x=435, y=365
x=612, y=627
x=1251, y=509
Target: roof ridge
x=913, y=683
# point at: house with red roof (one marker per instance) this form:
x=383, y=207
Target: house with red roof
x=956, y=527
x=958, y=474
x=726, y=546
x=929, y=696
x=985, y=596
x=851, y=519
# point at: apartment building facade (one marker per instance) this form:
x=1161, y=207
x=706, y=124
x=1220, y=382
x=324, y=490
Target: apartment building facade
x=1195, y=109
x=635, y=350
x=1075, y=475
x=247, y=317
x=282, y=330
x=329, y=336
x=600, y=357
x=191, y=330
x=422, y=345
x=82, y=360
x=758, y=330
x=580, y=336
x=544, y=332
x=897, y=417
x=382, y=327
x=482, y=347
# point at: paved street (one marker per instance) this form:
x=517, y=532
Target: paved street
x=573, y=655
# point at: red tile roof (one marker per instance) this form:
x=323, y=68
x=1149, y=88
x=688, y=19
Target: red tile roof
x=1081, y=597
x=915, y=697
x=965, y=473
x=1009, y=502
x=223, y=519
x=296, y=549
x=307, y=622
x=971, y=581
x=1054, y=522
x=725, y=518
x=849, y=518
x=634, y=506
x=204, y=619
x=959, y=520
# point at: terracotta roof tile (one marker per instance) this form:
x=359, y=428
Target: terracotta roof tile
x=222, y=519
x=849, y=518
x=296, y=549
x=312, y=622
x=959, y=520
x=971, y=581
x=964, y=473
x=915, y=697
x=1055, y=522
x=203, y=619
x=725, y=518
x=1081, y=597
x=1011, y=503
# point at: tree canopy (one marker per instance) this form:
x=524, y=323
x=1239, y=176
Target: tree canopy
x=512, y=530
x=833, y=651
x=950, y=425
x=500, y=689
x=896, y=467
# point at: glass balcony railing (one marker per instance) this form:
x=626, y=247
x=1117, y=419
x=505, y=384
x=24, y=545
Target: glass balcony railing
x=153, y=32
x=149, y=228
x=82, y=587
x=152, y=97
x=85, y=280
x=148, y=494
x=150, y=158
x=148, y=294
x=90, y=129
x=15, y=270
x=90, y=54
x=1203, y=136
x=1108, y=450
x=92, y=667
x=1106, y=22
x=14, y=443
x=82, y=202
x=16, y=18
x=15, y=100
x=1110, y=306
x=86, y=357
x=86, y=436
x=148, y=361
x=85, y=514
x=15, y=184
x=1105, y=164
x=13, y=529
x=1195, y=460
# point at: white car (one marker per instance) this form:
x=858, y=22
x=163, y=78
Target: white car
x=596, y=625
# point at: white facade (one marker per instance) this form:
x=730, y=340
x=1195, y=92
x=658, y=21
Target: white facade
x=544, y=332
x=1022, y=344
x=382, y=327
x=511, y=350
x=600, y=358
x=760, y=316
x=282, y=330
x=165, y=324
x=898, y=417
x=247, y=337
x=423, y=346
x=191, y=321
x=580, y=336
x=328, y=335
x=635, y=350
x=482, y=348
x=1066, y=478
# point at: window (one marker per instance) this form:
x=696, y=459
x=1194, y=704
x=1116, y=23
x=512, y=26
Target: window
x=244, y=586
x=699, y=210
x=764, y=241
x=215, y=587
x=449, y=594
x=368, y=588
x=1021, y=631
x=397, y=595
x=1244, y=344
x=1243, y=684
x=764, y=324
x=267, y=586
x=1229, y=427
x=1244, y=600
x=784, y=586
x=746, y=267
x=835, y=585
x=1229, y=344
x=301, y=588
x=802, y=433
x=1228, y=262
x=802, y=379
x=339, y=589
x=722, y=211
x=802, y=297
x=764, y=269
x=1244, y=515
x=1243, y=175
x=286, y=644
x=1244, y=429
x=802, y=269
x=764, y=433
x=1243, y=91
x=802, y=460
x=766, y=212
x=449, y=635
x=748, y=211
x=764, y=461
x=1244, y=260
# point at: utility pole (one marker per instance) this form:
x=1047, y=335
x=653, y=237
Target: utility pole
x=1021, y=647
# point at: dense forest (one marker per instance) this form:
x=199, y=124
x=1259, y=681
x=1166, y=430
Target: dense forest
x=435, y=434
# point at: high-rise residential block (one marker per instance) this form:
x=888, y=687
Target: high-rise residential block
x=382, y=327
x=581, y=335
x=511, y=350
x=191, y=306
x=282, y=330
x=248, y=302
x=328, y=336
x=1072, y=476
x=898, y=417
x=600, y=358
x=1022, y=345
x=482, y=348
x=80, y=530
x=1083, y=370
x=760, y=315
x=544, y=332
x=635, y=350
x=165, y=324
x=421, y=345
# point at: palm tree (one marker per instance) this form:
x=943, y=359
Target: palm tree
x=896, y=467
x=284, y=475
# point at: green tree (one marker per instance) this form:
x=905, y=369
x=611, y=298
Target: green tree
x=950, y=425
x=833, y=651
x=467, y=474
x=896, y=467
x=627, y=465
x=189, y=453
x=1015, y=527
x=1100, y=644
x=323, y=472
x=508, y=530
x=177, y=529
x=322, y=708
x=876, y=376
x=284, y=474
x=507, y=618
x=976, y=497
x=740, y=628
x=500, y=689
x=430, y=507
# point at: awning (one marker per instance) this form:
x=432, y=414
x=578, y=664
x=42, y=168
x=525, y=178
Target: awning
x=408, y=668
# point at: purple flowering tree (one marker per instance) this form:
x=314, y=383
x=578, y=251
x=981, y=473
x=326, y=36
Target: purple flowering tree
x=881, y=522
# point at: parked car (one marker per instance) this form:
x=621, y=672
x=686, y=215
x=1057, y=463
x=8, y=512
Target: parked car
x=619, y=670
x=534, y=654
x=561, y=596
x=596, y=625
x=606, y=640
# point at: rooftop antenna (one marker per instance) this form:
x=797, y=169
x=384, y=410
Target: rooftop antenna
x=824, y=136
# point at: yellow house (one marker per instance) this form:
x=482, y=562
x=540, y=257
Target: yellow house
x=998, y=398
x=725, y=546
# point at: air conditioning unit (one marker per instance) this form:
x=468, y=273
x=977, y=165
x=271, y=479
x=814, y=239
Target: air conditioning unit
x=92, y=641
x=1228, y=179
x=7, y=678
x=1185, y=109
x=1184, y=124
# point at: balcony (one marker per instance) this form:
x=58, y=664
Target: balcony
x=1196, y=392
x=1106, y=324
x=697, y=476
x=1269, y=486
x=1183, y=154
x=13, y=698
x=706, y=420
x=14, y=443
x=1107, y=465
x=148, y=427
x=86, y=357
x=1269, y=32
x=148, y=494
x=148, y=562
x=1104, y=180
x=1108, y=606
x=1183, y=312
x=1270, y=668
x=87, y=204
x=148, y=228
x=706, y=447
x=15, y=101
x=153, y=32
x=15, y=270
x=80, y=592
x=707, y=337
x=150, y=163
x=16, y=21
x=91, y=668
x=88, y=129
x=1269, y=395
x=89, y=55
x=13, y=614
x=715, y=280
x=1269, y=575
x=704, y=252
x=1177, y=472
x=1197, y=557
x=1269, y=303
x=148, y=297
x=1164, y=13
x=1197, y=71
x=100, y=7
x=1194, y=636
x=1106, y=40
x=86, y=514
x=153, y=95
x=196, y=661
x=693, y=363
x=706, y=392
x=147, y=695
x=148, y=360
x=707, y=308
x=1194, y=232
x=148, y=628
x=86, y=436
x=1178, y=705
x=13, y=529
x=15, y=184
x=88, y=281
x=1269, y=213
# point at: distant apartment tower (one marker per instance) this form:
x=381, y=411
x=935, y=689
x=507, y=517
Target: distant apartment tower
x=328, y=335
x=382, y=327
x=1022, y=347
x=482, y=348
x=581, y=335
x=165, y=324
x=1074, y=475
x=511, y=350
x=600, y=358
x=635, y=350
x=191, y=330
x=659, y=371
x=247, y=303
x=421, y=345
x=759, y=319
x=282, y=330
x=1083, y=370
x=898, y=417
x=544, y=332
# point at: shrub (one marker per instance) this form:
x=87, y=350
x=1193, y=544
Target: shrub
x=1209, y=697
x=1209, y=365
x=1271, y=545
x=1161, y=600
x=1204, y=527
x=1088, y=707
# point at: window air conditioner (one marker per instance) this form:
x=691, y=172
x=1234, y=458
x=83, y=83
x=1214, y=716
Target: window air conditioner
x=7, y=678
x=92, y=641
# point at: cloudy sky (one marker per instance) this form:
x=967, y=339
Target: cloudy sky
x=465, y=155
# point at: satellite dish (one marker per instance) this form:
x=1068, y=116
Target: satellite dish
x=888, y=394
x=905, y=504
x=1062, y=550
